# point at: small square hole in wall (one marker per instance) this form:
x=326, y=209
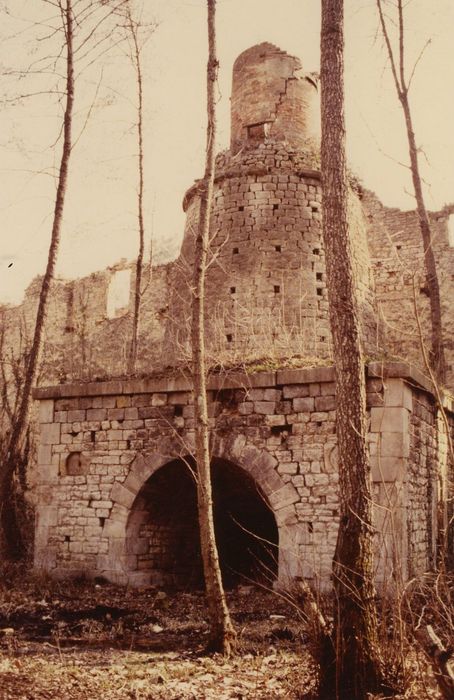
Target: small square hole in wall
x=101, y=522
x=319, y=292
x=229, y=337
x=67, y=538
x=275, y=207
x=235, y=251
x=241, y=208
x=178, y=410
x=277, y=289
x=316, y=251
x=398, y=247
x=322, y=338
x=280, y=429
x=319, y=276
x=310, y=528
x=277, y=248
x=232, y=290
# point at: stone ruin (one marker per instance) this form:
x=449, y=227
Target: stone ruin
x=113, y=487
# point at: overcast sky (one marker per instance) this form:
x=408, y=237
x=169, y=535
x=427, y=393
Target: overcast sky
x=99, y=223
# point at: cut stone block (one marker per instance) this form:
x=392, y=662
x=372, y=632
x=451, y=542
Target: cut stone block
x=285, y=496
x=387, y=469
x=394, y=444
x=122, y=495
x=388, y=420
x=398, y=393
x=50, y=434
x=46, y=411
x=44, y=455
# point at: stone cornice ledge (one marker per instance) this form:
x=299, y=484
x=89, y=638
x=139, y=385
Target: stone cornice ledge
x=233, y=380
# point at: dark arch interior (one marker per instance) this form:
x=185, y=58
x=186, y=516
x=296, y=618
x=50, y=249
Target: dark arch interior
x=163, y=527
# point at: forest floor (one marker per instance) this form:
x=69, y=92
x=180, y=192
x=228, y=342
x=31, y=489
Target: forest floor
x=87, y=640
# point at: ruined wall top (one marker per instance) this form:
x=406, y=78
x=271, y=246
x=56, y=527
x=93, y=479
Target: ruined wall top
x=272, y=98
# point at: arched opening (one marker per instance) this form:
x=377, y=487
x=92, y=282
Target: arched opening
x=163, y=534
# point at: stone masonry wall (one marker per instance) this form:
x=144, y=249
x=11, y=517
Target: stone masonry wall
x=423, y=483
x=266, y=284
x=101, y=443
x=81, y=341
x=272, y=97
x=396, y=251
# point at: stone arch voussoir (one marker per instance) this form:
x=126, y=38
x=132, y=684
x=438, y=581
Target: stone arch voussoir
x=117, y=563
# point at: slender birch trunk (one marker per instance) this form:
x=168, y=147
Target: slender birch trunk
x=437, y=356
x=9, y=530
x=222, y=634
x=357, y=662
x=136, y=59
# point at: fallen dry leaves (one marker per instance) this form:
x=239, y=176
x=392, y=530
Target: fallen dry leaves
x=88, y=640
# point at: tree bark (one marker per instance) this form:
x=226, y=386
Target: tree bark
x=222, y=634
x=139, y=261
x=357, y=663
x=14, y=447
x=438, y=362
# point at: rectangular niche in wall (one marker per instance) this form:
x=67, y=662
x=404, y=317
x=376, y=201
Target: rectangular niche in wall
x=75, y=465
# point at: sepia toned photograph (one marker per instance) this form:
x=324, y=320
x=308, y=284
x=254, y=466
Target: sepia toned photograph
x=226, y=350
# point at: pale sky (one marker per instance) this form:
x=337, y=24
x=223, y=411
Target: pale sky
x=100, y=220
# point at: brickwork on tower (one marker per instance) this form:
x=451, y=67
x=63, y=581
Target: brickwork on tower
x=266, y=284
x=273, y=98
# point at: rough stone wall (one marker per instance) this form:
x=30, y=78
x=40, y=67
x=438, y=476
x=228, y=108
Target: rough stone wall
x=396, y=251
x=101, y=443
x=423, y=483
x=266, y=284
x=80, y=340
x=273, y=97
x=266, y=427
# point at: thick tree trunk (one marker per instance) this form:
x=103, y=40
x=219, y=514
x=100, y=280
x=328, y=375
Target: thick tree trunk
x=19, y=426
x=437, y=358
x=358, y=668
x=222, y=634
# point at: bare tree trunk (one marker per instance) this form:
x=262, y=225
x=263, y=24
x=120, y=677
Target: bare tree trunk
x=402, y=88
x=222, y=634
x=357, y=662
x=132, y=27
x=14, y=447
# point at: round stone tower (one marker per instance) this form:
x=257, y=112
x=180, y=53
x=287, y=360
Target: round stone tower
x=266, y=282
x=273, y=98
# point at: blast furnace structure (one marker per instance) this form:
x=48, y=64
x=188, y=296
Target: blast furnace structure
x=115, y=495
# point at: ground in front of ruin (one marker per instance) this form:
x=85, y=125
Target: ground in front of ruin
x=88, y=640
